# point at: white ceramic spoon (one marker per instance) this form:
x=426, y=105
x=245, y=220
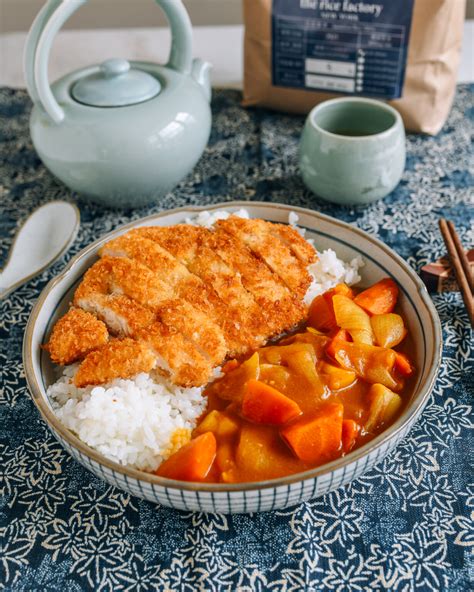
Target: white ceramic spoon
x=47, y=233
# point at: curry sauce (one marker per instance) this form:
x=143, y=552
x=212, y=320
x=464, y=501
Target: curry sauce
x=306, y=400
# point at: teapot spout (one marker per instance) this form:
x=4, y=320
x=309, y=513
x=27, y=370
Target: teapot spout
x=200, y=71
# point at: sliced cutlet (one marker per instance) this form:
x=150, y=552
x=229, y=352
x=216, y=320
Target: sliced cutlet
x=121, y=275
x=234, y=309
x=196, y=326
x=135, y=280
x=257, y=235
x=117, y=359
x=75, y=335
x=122, y=315
x=176, y=357
x=145, y=286
x=148, y=252
x=127, y=277
x=299, y=246
x=282, y=309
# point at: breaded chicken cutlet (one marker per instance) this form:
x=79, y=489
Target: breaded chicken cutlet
x=182, y=299
x=75, y=335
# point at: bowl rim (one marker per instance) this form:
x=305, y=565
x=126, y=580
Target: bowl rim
x=375, y=103
x=410, y=413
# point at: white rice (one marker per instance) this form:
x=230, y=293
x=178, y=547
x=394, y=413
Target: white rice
x=207, y=219
x=132, y=421
x=328, y=271
x=129, y=421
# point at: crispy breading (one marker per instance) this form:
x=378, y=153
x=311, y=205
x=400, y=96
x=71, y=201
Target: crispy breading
x=257, y=235
x=181, y=240
x=196, y=326
x=75, y=335
x=99, y=295
x=147, y=287
x=121, y=275
x=232, y=306
x=130, y=278
x=300, y=247
x=189, y=297
x=119, y=358
x=185, y=285
x=282, y=309
x=149, y=253
x=177, y=357
x=122, y=315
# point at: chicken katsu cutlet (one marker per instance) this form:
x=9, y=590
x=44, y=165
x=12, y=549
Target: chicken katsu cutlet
x=75, y=335
x=259, y=237
x=182, y=299
x=215, y=291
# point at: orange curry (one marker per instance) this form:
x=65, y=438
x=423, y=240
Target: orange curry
x=312, y=397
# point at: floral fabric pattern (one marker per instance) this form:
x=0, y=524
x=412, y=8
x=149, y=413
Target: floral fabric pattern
x=406, y=525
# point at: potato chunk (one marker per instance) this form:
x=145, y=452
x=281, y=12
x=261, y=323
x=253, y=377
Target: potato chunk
x=384, y=405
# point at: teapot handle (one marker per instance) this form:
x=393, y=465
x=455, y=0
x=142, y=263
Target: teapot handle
x=52, y=17
x=181, y=51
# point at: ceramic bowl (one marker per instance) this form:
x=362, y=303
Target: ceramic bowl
x=348, y=242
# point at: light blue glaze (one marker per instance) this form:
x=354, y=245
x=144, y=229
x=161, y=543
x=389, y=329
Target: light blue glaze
x=120, y=134
x=31, y=43
x=352, y=169
x=116, y=85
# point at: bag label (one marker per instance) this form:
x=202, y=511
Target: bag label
x=357, y=47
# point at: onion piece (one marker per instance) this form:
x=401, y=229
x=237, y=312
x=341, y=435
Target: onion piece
x=389, y=329
x=353, y=318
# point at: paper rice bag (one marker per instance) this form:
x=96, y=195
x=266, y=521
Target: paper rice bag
x=301, y=52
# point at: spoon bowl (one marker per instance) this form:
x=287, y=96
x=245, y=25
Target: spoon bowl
x=45, y=235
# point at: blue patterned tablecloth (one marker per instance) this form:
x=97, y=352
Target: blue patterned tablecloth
x=406, y=525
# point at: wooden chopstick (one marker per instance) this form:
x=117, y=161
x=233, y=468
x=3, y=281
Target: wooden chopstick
x=462, y=255
x=461, y=271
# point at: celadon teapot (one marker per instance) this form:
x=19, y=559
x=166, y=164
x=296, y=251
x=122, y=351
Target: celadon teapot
x=120, y=133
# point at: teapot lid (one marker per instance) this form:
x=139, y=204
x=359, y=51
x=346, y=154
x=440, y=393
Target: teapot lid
x=116, y=85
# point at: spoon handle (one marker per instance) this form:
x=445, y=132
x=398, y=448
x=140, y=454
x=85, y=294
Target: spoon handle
x=8, y=285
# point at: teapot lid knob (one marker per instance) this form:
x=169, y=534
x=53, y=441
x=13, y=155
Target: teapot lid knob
x=116, y=83
x=115, y=67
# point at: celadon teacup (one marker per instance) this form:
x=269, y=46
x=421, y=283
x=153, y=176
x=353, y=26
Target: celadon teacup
x=352, y=150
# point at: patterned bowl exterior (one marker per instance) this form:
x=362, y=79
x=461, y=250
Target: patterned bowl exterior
x=348, y=241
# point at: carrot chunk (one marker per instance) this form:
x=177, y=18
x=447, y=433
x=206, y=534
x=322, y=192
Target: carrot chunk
x=402, y=364
x=321, y=315
x=340, y=334
x=229, y=366
x=264, y=404
x=380, y=298
x=334, y=345
x=350, y=431
x=321, y=311
x=192, y=462
x=316, y=438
